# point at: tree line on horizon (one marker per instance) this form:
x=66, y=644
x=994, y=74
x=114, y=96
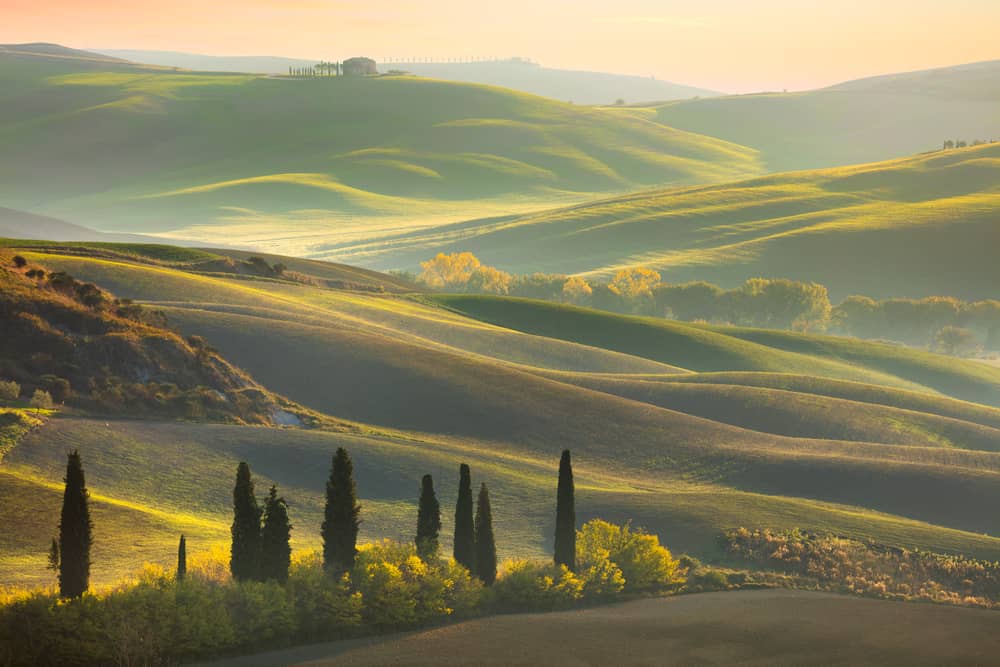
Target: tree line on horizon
x=943, y=324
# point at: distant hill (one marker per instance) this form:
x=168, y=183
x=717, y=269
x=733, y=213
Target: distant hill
x=869, y=229
x=55, y=51
x=576, y=86
x=16, y=224
x=870, y=119
x=269, y=158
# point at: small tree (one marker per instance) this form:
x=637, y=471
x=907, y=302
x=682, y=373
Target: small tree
x=41, y=400
x=245, y=554
x=9, y=390
x=465, y=526
x=276, y=552
x=20, y=262
x=428, y=521
x=74, y=532
x=182, y=566
x=486, y=548
x=341, y=522
x=565, y=547
x=54, y=556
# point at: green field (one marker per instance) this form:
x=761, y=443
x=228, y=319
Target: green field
x=689, y=430
x=299, y=164
x=839, y=227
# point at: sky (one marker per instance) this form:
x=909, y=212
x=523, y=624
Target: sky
x=727, y=45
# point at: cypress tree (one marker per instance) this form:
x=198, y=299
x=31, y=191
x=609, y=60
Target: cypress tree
x=74, y=532
x=486, y=548
x=565, y=548
x=428, y=520
x=465, y=527
x=54, y=555
x=276, y=552
x=245, y=555
x=340, y=524
x=182, y=559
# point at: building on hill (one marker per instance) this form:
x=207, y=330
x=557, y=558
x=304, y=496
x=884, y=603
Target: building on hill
x=359, y=67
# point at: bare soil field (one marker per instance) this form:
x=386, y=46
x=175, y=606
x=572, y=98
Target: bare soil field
x=773, y=627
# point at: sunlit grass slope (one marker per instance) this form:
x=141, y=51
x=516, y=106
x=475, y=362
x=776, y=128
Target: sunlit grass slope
x=715, y=348
x=428, y=387
x=152, y=149
x=857, y=121
x=152, y=481
x=919, y=226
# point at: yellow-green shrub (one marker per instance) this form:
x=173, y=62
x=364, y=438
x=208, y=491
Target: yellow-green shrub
x=526, y=585
x=644, y=563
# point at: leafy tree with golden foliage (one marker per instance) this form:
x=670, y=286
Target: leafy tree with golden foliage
x=454, y=270
x=635, y=282
x=576, y=290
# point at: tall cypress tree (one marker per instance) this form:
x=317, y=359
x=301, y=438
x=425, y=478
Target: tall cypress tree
x=465, y=527
x=486, y=548
x=182, y=559
x=276, y=552
x=340, y=523
x=565, y=551
x=74, y=532
x=428, y=520
x=245, y=555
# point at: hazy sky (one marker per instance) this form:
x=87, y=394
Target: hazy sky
x=730, y=45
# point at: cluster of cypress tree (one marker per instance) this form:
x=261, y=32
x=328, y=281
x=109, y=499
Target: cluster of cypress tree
x=260, y=548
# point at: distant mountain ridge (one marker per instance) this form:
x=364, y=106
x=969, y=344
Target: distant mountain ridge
x=581, y=87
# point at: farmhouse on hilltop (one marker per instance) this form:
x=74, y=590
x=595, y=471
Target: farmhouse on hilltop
x=359, y=67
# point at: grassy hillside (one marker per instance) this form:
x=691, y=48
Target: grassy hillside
x=182, y=150
x=857, y=121
x=838, y=227
x=428, y=387
x=705, y=348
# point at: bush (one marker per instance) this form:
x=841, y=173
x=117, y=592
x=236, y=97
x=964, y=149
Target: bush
x=643, y=562
x=9, y=390
x=526, y=585
x=20, y=262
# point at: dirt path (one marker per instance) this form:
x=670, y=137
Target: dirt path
x=748, y=628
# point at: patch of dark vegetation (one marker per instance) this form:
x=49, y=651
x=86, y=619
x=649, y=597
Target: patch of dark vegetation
x=87, y=349
x=827, y=562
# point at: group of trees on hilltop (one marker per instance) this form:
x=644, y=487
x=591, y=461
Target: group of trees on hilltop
x=962, y=143
x=944, y=324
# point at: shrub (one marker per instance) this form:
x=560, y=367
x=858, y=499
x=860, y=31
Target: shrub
x=20, y=262
x=9, y=390
x=532, y=586
x=643, y=562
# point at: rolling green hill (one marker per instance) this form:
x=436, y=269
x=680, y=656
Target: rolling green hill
x=870, y=229
x=302, y=162
x=858, y=121
x=505, y=385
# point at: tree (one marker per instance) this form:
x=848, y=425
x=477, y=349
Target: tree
x=245, y=555
x=465, y=526
x=956, y=341
x=275, y=550
x=486, y=548
x=428, y=521
x=449, y=271
x=54, y=556
x=565, y=548
x=340, y=525
x=41, y=400
x=74, y=532
x=20, y=262
x=576, y=290
x=182, y=563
